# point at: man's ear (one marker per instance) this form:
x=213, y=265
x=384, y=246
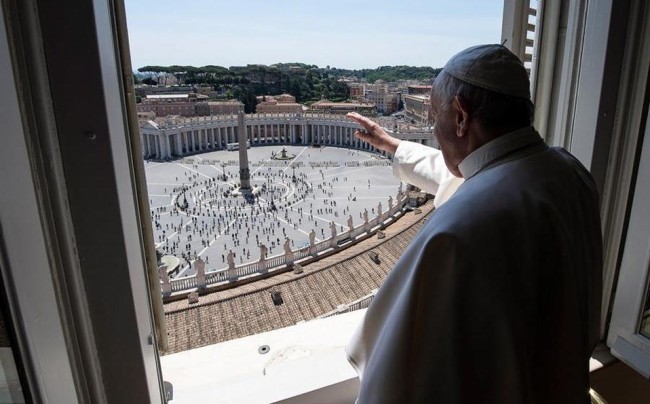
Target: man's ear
x=461, y=110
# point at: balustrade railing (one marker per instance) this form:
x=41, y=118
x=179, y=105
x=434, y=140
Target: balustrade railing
x=252, y=119
x=223, y=275
x=358, y=304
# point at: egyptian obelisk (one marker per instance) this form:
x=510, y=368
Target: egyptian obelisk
x=244, y=173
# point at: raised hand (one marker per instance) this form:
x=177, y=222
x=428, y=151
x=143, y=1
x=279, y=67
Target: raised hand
x=374, y=134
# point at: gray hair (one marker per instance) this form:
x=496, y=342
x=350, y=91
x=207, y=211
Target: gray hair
x=492, y=110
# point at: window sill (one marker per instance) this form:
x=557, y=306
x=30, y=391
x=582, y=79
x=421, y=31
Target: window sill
x=304, y=362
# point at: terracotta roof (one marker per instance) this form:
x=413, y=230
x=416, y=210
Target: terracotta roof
x=325, y=284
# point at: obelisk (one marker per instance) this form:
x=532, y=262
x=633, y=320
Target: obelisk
x=244, y=173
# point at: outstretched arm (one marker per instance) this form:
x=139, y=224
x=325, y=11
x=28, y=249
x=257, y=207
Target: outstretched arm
x=414, y=163
x=374, y=134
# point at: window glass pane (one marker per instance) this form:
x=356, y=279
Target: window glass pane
x=645, y=316
x=10, y=388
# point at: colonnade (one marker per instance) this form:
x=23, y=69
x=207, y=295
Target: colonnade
x=196, y=136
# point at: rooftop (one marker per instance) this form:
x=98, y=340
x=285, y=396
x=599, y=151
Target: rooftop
x=324, y=285
x=166, y=96
x=326, y=103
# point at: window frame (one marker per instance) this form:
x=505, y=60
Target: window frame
x=592, y=98
x=31, y=293
x=84, y=317
x=624, y=338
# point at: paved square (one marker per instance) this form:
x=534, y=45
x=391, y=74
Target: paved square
x=195, y=213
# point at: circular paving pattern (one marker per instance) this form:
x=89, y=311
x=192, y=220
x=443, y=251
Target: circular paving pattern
x=198, y=209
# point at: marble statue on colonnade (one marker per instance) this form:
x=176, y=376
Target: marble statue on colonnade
x=199, y=264
x=312, y=242
x=263, y=252
x=287, y=246
x=288, y=254
x=334, y=239
x=366, y=224
x=232, y=273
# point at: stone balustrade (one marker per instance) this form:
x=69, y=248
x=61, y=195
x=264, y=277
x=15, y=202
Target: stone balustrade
x=358, y=304
x=220, y=276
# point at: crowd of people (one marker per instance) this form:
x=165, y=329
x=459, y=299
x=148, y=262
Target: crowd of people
x=205, y=209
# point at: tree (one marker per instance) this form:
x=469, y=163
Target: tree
x=149, y=81
x=295, y=89
x=247, y=97
x=340, y=91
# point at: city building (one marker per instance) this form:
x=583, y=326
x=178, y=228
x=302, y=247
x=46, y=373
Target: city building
x=229, y=107
x=418, y=89
x=377, y=86
x=385, y=101
x=285, y=98
x=276, y=107
x=191, y=104
x=146, y=115
x=143, y=90
x=416, y=108
x=363, y=108
x=357, y=91
x=171, y=104
x=205, y=90
x=278, y=104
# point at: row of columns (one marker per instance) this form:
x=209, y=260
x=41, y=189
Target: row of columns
x=272, y=133
x=170, y=145
x=337, y=136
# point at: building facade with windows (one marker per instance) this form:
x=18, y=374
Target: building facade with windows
x=172, y=104
x=357, y=91
x=278, y=104
x=416, y=108
x=385, y=101
x=342, y=108
x=418, y=89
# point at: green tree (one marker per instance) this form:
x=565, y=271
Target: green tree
x=149, y=81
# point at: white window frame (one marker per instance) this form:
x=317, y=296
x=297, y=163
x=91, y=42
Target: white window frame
x=624, y=338
x=592, y=66
x=30, y=287
x=56, y=297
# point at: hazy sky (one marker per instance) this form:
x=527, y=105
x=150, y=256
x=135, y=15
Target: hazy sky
x=349, y=34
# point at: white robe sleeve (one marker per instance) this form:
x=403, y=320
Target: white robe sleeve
x=425, y=168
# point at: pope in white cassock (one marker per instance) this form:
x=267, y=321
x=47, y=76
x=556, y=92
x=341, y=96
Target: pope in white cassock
x=497, y=299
